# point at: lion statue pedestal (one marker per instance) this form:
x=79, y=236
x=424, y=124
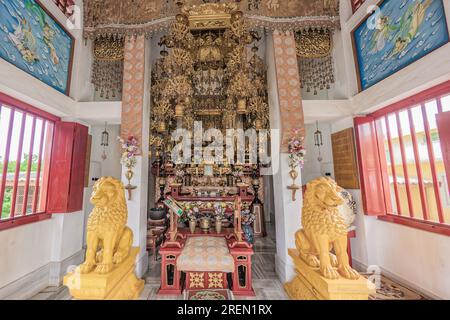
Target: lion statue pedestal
x=309, y=284
x=108, y=270
x=119, y=284
x=321, y=274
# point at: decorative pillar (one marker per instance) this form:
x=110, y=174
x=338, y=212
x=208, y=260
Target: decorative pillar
x=286, y=114
x=288, y=83
x=133, y=88
x=135, y=98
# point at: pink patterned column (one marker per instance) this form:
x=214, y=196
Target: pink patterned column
x=133, y=87
x=288, y=81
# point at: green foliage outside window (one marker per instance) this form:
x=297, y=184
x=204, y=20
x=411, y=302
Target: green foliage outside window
x=11, y=169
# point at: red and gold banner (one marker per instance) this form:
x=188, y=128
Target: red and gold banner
x=133, y=87
x=288, y=82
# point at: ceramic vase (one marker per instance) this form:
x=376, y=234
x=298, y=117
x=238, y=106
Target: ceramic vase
x=218, y=225
x=192, y=225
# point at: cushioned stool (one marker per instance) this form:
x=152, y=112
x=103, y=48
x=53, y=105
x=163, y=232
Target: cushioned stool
x=206, y=262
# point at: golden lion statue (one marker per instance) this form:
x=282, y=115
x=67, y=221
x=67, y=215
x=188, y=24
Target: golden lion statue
x=109, y=240
x=324, y=229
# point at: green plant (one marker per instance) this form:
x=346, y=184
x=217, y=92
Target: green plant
x=6, y=203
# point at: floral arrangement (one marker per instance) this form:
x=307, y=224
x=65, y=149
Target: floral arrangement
x=247, y=217
x=130, y=149
x=191, y=212
x=238, y=173
x=179, y=173
x=296, y=150
x=247, y=220
x=219, y=210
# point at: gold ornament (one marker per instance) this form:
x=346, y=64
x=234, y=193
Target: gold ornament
x=196, y=280
x=179, y=61
x=241, y=106
x=161, y=127
x=241, y=86
x=215, y=280
x=293, y=187
x=314, y=50
x=314, y=43
x=107, y=67
x=108, y=48
x=178, y=86
x=179, y=111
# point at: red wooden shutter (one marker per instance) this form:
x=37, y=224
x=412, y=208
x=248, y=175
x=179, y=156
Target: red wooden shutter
x=369, y=166
x=77, y=169
x=65, y=192
x=443, y=123
x=61, y=159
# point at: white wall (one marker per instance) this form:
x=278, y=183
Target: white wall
x=24, y=249
x=37, y=255
x=313, y=168
x=110, y=167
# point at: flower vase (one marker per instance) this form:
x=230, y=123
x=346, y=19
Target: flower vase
x=192, y=225
x=218, y=225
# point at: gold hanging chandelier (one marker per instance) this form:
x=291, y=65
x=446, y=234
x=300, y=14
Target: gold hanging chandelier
x=210, y=72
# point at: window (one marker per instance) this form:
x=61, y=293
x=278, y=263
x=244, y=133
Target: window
x=356, y=4
x=406, y=155
x=26, y=136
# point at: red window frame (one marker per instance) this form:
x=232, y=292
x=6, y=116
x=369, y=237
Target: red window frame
x=374, y=167
x=44, y=156
x=356, y=4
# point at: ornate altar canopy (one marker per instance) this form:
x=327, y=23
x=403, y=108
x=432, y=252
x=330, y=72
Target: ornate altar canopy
x=127, y=17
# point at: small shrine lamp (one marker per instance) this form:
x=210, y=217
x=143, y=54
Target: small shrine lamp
x=105, y=142
x=318, y=141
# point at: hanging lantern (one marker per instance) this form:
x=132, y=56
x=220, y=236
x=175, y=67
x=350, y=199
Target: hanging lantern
x=318, y=141
x=105, y=142
x=105, y=138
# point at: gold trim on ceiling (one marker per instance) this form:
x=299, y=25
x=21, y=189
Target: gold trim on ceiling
x=131, y=17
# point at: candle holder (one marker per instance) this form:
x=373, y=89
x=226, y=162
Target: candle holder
x=293, y=187
x=129, y=175
x=128, y=159
x=162, y=187
x=256, y=186
x=296, y=158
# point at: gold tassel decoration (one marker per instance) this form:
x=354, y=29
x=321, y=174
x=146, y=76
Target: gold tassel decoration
x=107, y=68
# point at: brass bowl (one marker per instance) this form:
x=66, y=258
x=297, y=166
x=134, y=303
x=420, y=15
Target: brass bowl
x=205, y=224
